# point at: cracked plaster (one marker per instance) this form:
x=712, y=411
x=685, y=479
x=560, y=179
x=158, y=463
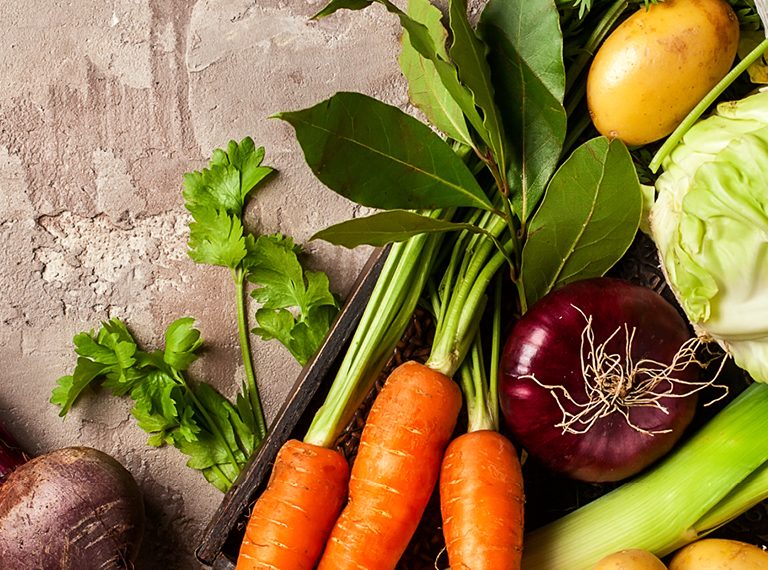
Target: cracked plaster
x=103, y=107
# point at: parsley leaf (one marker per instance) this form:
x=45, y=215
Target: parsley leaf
x=196, y=419
x=297, y=305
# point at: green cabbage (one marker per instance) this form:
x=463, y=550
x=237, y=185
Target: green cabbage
x=710, y=224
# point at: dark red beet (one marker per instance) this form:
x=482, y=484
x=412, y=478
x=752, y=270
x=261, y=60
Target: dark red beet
x=72, y=509
x=545, y=348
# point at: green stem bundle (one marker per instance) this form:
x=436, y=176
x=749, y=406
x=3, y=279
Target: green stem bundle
x=384, y=320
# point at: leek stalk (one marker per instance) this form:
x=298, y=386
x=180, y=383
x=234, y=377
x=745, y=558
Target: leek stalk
x=713, y=477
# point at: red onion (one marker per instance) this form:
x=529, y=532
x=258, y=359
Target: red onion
x=599, y=379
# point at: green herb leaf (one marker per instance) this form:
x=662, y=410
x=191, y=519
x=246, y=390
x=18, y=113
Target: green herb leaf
x=421, y=40
x=216, y=238
x=70, y=387
x=350, y=136
x=469, y=54
x=587, y=220
x=275, y=324
x=197, y=420
x=335, y=5
x=425, y=87
x=228, y=181
x=155, y=405
x=182, y=340
x=309, y=334
x=216, y=196
x=284, y=288
x=526, y=62
x=386, y=227
x=281, y=279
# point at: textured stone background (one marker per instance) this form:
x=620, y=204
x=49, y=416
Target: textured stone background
x=103, y=106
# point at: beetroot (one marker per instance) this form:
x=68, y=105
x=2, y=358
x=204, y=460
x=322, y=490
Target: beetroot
x=75, y=508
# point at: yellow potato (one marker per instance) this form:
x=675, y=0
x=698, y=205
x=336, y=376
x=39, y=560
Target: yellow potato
x=630, y=559
x=719, y=554
x=654, y=68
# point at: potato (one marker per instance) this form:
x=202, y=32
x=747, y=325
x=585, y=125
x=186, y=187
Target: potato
x=630, y=559
x=75, y=508
x=657, y=65
x=719, y=554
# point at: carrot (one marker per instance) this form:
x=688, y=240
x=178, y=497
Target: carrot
x=481, y=481
x=293, y=517
x=396, y=469
x=481, y=500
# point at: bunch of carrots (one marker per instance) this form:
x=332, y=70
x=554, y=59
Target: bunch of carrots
x=402, y=451
x=315, y=511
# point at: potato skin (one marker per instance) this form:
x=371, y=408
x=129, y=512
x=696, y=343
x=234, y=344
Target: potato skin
x=657, y=65
x=75, y=508
x=719, y=554
x=630, y=559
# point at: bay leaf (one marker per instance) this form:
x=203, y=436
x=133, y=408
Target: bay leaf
x=379, y=156
x=425, y=87
x=526, y=59
x=382, y=228
x=588, y=218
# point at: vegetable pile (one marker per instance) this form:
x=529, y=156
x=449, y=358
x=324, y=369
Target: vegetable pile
x=524, y=188
x=546, y=124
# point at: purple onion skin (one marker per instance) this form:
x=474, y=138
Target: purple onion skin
x=11, y=454
x=546, y=342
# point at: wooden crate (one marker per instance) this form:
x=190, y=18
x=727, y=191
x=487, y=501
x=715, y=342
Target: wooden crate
x=548, y=496
x=222, y=536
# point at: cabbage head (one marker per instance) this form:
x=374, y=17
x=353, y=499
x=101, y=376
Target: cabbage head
x=710, y=224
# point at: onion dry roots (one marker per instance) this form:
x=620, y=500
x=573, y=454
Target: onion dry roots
x=599, y=379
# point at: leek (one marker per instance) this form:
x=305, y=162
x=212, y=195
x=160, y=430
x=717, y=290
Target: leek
x=716, y=475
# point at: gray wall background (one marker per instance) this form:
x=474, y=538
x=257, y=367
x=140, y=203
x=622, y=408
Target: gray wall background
x=103, y=106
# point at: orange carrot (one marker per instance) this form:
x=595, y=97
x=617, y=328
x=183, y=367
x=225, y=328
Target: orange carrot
x=396, y=469
x=481, y=500
x=293, y=517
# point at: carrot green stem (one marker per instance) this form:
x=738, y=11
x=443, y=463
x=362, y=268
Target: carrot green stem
x=455, y=331
x=259, y=422
x=493, y=387
x=678, y=134
x=479, y=382
x=384, y=320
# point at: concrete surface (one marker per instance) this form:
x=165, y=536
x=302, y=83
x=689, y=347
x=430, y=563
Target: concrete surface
x=103, y=106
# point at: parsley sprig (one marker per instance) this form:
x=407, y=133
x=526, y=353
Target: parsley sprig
x=297, y=307
x=196, y=419
x=216, y=197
